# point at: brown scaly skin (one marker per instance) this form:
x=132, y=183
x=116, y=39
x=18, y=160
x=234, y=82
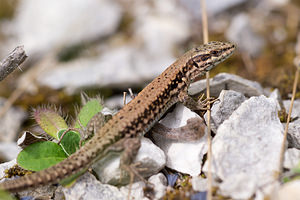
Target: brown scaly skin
x=137, y=117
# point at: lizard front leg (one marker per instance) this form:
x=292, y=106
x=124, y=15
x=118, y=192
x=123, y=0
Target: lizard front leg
x=193, y=105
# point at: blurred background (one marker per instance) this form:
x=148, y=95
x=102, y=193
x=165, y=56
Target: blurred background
x=104, y=46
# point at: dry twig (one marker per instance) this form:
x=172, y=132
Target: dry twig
x=12, y=61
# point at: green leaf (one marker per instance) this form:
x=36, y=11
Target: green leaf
x=5, y=196
x=40, y=155
x=90, y=109
x=70, y=141
x=50, y=121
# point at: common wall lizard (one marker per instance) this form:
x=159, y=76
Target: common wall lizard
x=135, y=118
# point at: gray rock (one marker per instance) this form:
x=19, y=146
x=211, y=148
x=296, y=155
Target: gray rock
x=10, y=123
x=45, y=192
x=88, y=187
x=225, y=81
x=238, y=186
x=136, y=192
x=6, y=165
x=150, y=156
x=289, y=191
x=221, y=110
x=249, y=143
x=85, y=21
x=296, y=107
x=213, y=7
x=275, y=94
x=159, y=182
x=185, y=157
x=293, y=135
x=158, y=35
x=199, y=183
x=241, y=32
x=9, y=150
x=291, y=158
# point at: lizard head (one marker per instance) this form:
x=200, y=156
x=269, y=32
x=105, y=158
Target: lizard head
x=206, y=56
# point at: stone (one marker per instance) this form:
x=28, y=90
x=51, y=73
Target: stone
x=182, y=156
x=248, y=143
x=9, y=150
x=11, y=122
x=88, y=187
x=225, y=81
x=228, y=101
x=149, y=156
x=291, y=158
x=86, y=21
x=159, y=182
x=293, y=136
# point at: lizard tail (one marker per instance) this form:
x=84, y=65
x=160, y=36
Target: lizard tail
x=74, y=164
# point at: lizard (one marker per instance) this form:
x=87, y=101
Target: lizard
x=136, y=118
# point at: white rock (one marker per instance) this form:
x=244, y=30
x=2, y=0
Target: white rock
x=63, y=23
x=289, y=191
x=296, y=107
x=221, y=110
x=241, y=32
x=158, y=35
x=199, y=184
x=159, y=182
x=88, y=187
x=150, y=156
x=6, y=165
x=238, y=186
x=276, y=95
x=185, y=157
x=225, y=81
x=10, y=123
x=291, y=158
x=249, y=142
x=9, y=150
x=213, y=6
x=136, y=191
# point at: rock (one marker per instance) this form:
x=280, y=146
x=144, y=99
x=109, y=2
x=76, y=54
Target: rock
x=136, y=191
x=238, y=186
x=149, y=155
x=242, y=34
x=88, y=187
x=225, y=81
x=10, y=123
x=213, y=7
x=199, y=183
x=291, y=158
x=293, y=135
x=277, y=96
x=86, y=21
x=159, y=182
x=221, y=110
x=248, y=143
x=9, y=150
x=158, y=35
x=45, y=192
x=296, y=107
x=289, y=191
x=182, y=156
x=6, y=165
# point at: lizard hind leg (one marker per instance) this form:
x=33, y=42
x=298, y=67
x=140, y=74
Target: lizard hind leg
x=129, y=148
